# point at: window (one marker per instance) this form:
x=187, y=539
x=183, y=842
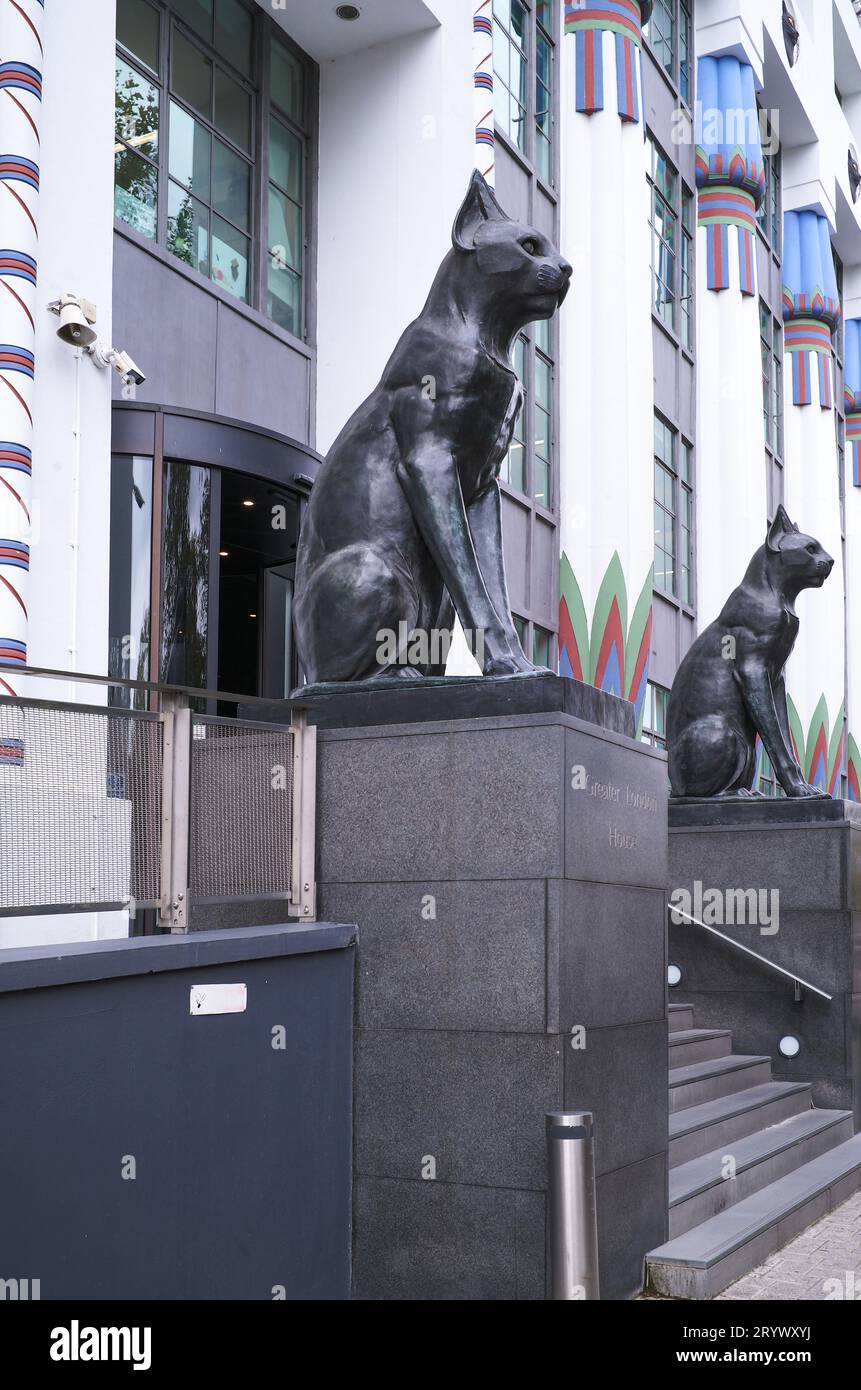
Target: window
x=669, y=32
x=528, y=465
x=513, y=470
x=655, y=715
x=542, y=415
x=771, y=351
x=686, y=300
x=686, y=30
x=287, y=124
x=661, y=33
x=543, y=90
x=663, y=182
x=768, y=783
x=189, y=157
x=542, y=642
x=130, y=620
x=674, y=514
x=524, y=54
x=768, y=214
x=510, y=39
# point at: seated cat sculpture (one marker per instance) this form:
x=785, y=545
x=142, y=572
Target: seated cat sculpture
x=405, y=517
x=730, y=686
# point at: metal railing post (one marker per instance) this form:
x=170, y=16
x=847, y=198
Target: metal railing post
x=573, y=1219
x=303, y=887
x=176, y=798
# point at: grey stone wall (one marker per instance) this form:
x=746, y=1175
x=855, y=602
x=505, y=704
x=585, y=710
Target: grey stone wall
x=499, y=906
x=808, y=853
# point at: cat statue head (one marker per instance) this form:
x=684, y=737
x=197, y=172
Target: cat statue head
x=508, y=262
x=795, y=561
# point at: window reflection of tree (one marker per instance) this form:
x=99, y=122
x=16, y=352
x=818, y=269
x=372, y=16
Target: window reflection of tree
x=137, y=108
x=185, y=575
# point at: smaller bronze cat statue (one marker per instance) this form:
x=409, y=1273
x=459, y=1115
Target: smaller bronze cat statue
x=405, y=517
x=730, y=686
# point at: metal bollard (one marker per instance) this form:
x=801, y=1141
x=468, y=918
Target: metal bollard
x=573, y=1217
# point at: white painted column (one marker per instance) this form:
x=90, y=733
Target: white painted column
x=732, y=498
x=816, y=672
x=606, y=390
x=852, y=394
x=20, y=118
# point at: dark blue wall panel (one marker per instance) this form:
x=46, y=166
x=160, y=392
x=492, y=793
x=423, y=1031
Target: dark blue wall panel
x=242, y=1151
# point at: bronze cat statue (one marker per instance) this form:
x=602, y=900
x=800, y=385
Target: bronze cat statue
x=730, y=686
x=405, y=517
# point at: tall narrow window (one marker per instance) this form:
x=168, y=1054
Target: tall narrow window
x=510, y=39
x=686, y=296
x=542, y=415
x=674, y=514
x=663, y=182
x=661, y=33
x=686, y=31
x=513, y=470
x=665, y=507
x=287, y=140
x=524, y=54
x=543, y=90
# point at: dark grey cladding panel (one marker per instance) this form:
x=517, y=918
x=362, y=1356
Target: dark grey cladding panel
x=260, y=378
x=620, y=1074
x=168, y=324
x=474, y=1102
x=199, y=353
x=632, y=1218
x=448, y=955
x=611, y=954
x=462, y=803
x=807, y=865
x=430, y=1240
x=615, y=812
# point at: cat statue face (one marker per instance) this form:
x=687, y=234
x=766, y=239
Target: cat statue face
x=800, y=560
x=510, y=259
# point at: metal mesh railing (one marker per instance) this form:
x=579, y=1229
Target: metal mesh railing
x=80, y=806
x=241, y=810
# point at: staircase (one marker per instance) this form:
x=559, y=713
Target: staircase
x=792, y=1163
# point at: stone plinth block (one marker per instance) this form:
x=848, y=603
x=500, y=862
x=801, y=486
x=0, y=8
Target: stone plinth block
x=783, y=878
x=508, y=872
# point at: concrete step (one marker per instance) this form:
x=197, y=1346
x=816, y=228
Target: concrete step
x=701, y=1188
x=681, y=1016
x=699, y=1045
x=702, y=1081
x=716, y=1123
x=705, y=1260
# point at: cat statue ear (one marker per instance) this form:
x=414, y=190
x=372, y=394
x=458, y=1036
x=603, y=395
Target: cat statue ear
x=780, y=527
x=479, y=206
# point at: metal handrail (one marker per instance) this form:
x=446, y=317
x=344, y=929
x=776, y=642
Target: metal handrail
x=228, y=697
x=763, y=960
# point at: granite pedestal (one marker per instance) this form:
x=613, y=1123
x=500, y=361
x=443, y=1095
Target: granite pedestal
x=507, y=871
x=805, y=857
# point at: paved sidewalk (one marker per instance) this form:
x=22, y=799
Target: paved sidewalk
x=824, y=1262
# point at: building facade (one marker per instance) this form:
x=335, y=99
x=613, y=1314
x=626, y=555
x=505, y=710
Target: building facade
x=265, y=215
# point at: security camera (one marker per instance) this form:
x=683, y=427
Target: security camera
x=121, y=362
x=129, y=370
x=77, y=317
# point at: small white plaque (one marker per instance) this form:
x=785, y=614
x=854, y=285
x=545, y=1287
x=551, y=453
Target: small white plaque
x=218, y=999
